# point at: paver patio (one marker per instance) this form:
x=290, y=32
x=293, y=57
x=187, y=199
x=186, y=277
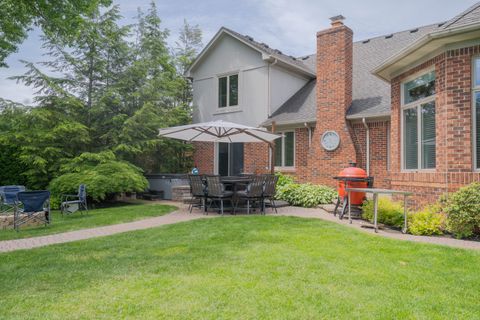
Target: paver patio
x=182, y=215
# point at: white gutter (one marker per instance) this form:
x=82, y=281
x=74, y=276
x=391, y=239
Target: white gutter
x=367, y=138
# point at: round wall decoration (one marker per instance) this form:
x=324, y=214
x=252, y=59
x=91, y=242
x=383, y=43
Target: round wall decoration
x=330, y=140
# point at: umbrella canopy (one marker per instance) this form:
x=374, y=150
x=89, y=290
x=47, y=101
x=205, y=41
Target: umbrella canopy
x=218, y=131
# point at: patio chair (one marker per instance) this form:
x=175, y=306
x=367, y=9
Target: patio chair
x=71, y=203
x=8, y=196
x=269, y=190
x=253, y=193
x=216, y=192
x=32, y=205
x=198, y=191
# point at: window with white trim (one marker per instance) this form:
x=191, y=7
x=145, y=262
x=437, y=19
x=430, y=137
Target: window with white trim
x=285, y=149
x=418, y=117
x=228, y=91
x=476, y=111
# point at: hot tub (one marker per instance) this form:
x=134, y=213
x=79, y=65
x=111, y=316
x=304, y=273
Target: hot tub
x=165, y=182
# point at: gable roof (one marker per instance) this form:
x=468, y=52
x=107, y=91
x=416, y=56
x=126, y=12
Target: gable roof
x=463, y=27
x=267, y=52
x=370, y=94
x=469, y=16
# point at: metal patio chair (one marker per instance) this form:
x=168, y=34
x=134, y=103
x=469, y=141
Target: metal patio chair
x=216, y=192
x=253, y=193
x=74, y=202
x=32, y=205
x=269, y=191
x=8, y=196
x=198, y=190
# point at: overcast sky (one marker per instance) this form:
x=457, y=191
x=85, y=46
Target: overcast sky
x=283, y=24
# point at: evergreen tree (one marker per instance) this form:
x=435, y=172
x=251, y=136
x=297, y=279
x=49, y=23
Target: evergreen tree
x=186, y=49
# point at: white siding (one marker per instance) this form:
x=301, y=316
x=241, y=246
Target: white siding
x=231, y=56
x=256, y=82
x=284, y=84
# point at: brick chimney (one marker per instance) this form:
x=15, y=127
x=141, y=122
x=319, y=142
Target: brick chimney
x=334, y=97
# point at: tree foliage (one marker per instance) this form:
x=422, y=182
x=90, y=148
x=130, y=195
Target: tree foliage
x=57, y=18
x=101, y=97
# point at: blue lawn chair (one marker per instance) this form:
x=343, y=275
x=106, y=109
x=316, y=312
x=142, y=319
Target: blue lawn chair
x=32, y=205
x=73, y=202
x=8, y=196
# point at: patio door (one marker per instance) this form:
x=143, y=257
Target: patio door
x=230, y=159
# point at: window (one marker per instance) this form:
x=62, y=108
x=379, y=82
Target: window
x=285, y=150
x=228, y=91
x=418, y=115
x=476, y=112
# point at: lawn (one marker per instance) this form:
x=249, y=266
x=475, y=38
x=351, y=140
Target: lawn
x=93, y=218
x=252, y=267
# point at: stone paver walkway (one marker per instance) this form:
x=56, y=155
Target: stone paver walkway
x=183, y=215
x=388, y=233
x=34, y=242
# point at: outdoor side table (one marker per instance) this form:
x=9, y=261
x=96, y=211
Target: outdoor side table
x=375, y=193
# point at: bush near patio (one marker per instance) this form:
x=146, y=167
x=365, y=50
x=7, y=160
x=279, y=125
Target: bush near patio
x=463, y=210
x=303, y=195
x=390, y=213
x=426, y=222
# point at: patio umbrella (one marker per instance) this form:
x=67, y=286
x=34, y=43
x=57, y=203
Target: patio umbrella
x=220, y=131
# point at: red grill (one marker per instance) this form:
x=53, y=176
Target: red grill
x=352, y=177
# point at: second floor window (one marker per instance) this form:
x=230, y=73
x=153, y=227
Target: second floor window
x=418, y=109
x=228, y=91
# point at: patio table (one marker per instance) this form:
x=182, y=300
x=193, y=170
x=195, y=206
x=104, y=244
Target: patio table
x=375, y=193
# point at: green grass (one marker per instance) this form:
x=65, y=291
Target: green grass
x=252, y=267
x=90, y=219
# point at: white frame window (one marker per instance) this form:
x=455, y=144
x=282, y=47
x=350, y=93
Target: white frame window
x=476, y=112
x=283, y=156
x=227, y=96
x=423, y=153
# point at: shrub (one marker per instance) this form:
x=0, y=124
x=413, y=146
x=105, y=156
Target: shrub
x=463, y=211
x=305, y=195
x=284, y=179
x=426, y=222
x=389, y=213
x=102, y=173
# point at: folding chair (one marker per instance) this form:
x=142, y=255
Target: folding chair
x=32, y=205
x=73, y=202
x=8, y=196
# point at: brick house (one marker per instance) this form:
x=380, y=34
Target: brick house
x=404, y=106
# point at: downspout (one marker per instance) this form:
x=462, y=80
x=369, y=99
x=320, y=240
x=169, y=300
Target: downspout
x=309, y=132
x=367, y=138
x=269, y=106
x=272, y=151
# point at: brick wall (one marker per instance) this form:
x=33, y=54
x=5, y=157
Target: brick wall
x=454, y=165
x=255, y=158
x=378, y=132
x=204, y=156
